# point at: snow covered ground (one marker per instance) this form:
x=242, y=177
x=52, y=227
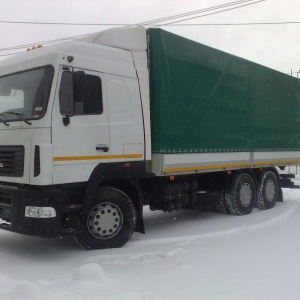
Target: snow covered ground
x=185, y=255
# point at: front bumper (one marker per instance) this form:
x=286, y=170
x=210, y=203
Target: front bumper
x=13, y=203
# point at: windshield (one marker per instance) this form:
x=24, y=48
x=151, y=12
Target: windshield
x=25, y=95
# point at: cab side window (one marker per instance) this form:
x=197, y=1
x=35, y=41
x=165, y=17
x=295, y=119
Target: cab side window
x=91, y=102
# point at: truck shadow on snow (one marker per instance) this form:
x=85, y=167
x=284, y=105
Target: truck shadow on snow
x=35, y=248
x=174, y=227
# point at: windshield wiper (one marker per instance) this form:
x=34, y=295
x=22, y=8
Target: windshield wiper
x=20, y=115
x=4, y=120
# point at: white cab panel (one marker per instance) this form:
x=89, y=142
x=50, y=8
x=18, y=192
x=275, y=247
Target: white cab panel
x=125, y=119
x=75, y=153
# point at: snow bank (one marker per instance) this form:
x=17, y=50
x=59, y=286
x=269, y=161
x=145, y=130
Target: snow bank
x=88, y=282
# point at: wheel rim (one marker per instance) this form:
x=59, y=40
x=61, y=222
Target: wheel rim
x=105, y=220
x=245, y=194
x=270, y=190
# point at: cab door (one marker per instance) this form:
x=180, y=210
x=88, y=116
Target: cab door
x=82, y=142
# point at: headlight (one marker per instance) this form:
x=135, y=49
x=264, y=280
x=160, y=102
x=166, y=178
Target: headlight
x=39, y=212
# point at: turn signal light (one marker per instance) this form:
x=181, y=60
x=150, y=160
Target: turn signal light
x=34, y=47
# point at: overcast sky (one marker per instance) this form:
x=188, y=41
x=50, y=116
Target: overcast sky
x=276, y=46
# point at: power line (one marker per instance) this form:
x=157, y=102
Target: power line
x=194, y=12
x=148, y=22
x=213, y=13
x=59, y=23
x=43, y=42
x=142, y=23
x=167, y=25
x=170, y=25
x=236, y=24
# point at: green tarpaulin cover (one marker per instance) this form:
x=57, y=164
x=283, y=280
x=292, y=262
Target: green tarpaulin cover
x=206, y=100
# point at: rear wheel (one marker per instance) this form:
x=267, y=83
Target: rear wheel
x=110, y=221
x=268, y=191
x=241, y=197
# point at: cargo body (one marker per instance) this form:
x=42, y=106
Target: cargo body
x=91, y=130
x=218, y=110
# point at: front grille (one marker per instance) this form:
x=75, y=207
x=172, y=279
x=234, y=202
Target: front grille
x=6, y=198
x=12, y=161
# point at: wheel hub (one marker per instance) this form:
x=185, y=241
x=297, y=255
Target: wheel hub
x=105, y=220
x=270, y=190
x=245, y=194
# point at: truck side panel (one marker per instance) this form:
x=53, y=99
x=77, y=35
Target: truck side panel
x=176, y=164
x=206, y=101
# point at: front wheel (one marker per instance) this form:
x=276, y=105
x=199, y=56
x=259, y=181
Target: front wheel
x=110, y=221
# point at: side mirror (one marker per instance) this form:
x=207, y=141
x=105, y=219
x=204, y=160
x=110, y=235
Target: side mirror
x=79, y=86
x=5, y=91
x=66, y=97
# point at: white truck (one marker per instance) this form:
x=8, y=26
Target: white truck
x=87, y=139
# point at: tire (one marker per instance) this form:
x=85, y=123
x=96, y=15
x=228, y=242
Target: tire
x=221, y=208
x=110, y=221
x=241, y=198
x=268, y=191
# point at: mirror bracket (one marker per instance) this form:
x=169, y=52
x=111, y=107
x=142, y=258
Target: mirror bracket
x=66, y=120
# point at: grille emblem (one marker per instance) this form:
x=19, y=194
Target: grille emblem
x=1, y=165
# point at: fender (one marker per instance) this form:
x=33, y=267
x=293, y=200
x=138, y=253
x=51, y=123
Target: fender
x=127, y=172
x=236, y=173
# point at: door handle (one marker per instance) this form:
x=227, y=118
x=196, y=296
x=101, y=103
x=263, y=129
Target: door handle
x=103, y=148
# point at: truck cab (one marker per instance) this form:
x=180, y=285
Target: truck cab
x=67, y=111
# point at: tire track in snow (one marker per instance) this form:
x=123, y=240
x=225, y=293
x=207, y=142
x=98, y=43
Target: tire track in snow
x=133, y=258
x=151, y=256
x=288, y=214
